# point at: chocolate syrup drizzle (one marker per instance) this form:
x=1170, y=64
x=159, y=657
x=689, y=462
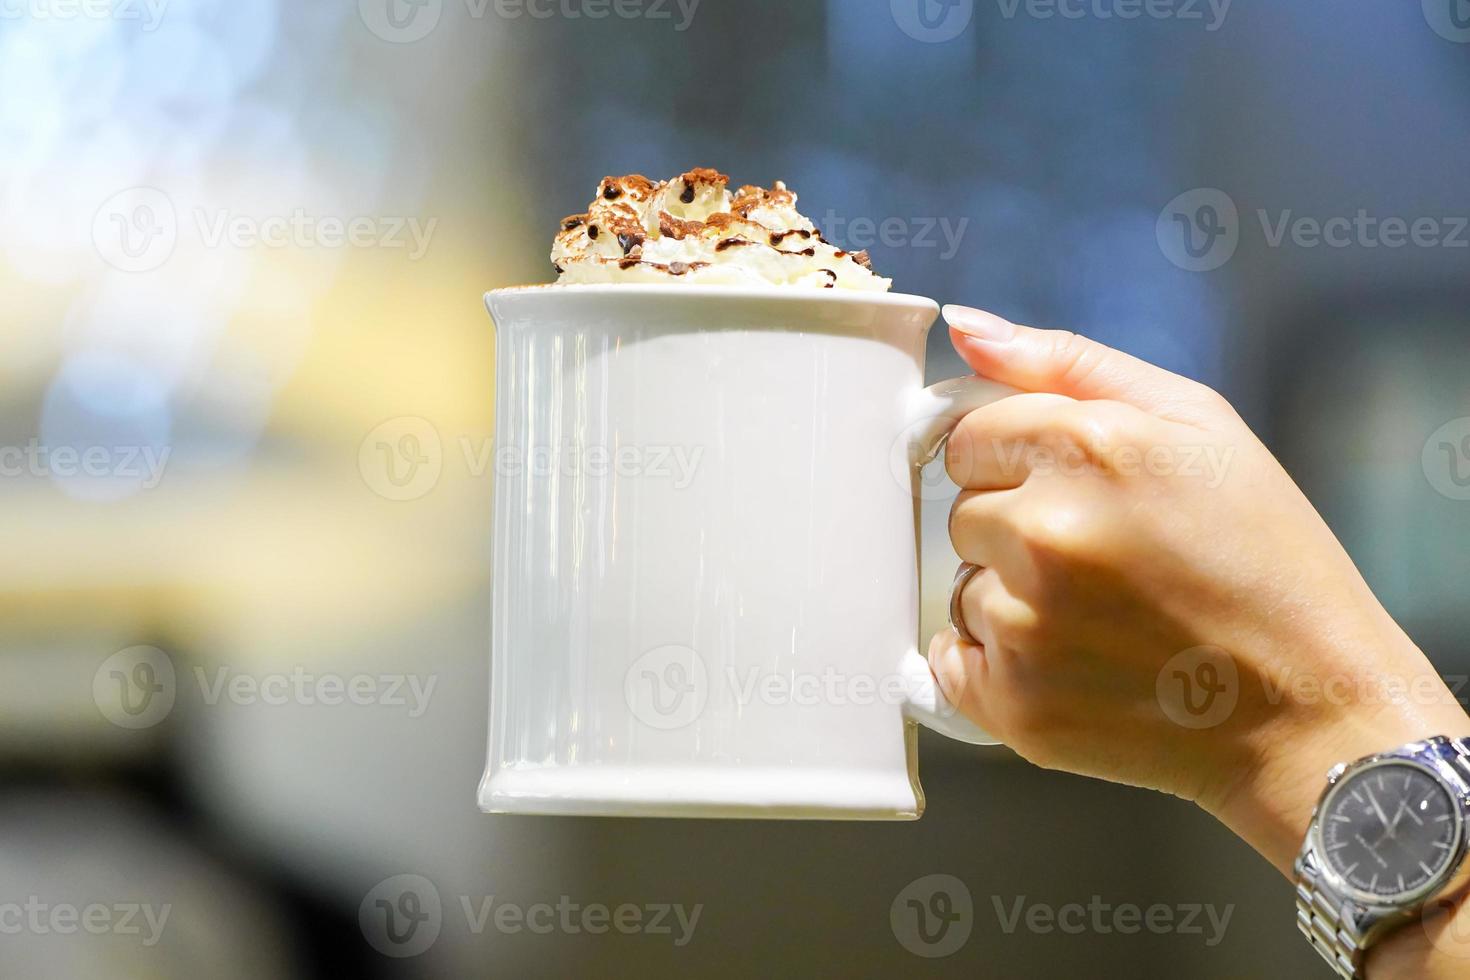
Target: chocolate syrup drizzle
x=631, y=236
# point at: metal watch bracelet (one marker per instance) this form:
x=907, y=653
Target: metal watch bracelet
x=1322, y=916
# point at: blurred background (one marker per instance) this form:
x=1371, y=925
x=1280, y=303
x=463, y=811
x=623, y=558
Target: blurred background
x=243, y=657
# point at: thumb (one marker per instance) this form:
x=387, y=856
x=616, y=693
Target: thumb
x=1061, y=362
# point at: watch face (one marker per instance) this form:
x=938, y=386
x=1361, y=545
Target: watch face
x=1389, y=831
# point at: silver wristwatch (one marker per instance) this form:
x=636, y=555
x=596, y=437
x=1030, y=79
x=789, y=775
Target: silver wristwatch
x=1388, y=835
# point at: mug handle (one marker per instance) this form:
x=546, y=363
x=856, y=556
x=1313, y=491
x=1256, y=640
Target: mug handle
x=933, y=417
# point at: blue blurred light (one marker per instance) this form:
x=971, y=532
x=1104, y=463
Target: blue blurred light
x=102, y=406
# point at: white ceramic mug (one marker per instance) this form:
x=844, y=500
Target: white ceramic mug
x=706, y=593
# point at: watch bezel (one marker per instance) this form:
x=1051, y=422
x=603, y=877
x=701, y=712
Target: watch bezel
x=1436, y=770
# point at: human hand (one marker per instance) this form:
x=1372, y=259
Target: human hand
x=1126, y=517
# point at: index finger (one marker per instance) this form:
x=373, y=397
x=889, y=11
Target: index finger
x=988, y=449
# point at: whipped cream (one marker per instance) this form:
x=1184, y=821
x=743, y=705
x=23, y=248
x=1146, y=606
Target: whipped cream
x=691, y=229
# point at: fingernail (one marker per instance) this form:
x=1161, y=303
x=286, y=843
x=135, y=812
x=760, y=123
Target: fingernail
x=936, y=649
x=979, y=324
x=944, y=659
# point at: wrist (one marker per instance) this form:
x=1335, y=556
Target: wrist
x=1435, y=946
x=1289, y=747
x=1270, y=804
